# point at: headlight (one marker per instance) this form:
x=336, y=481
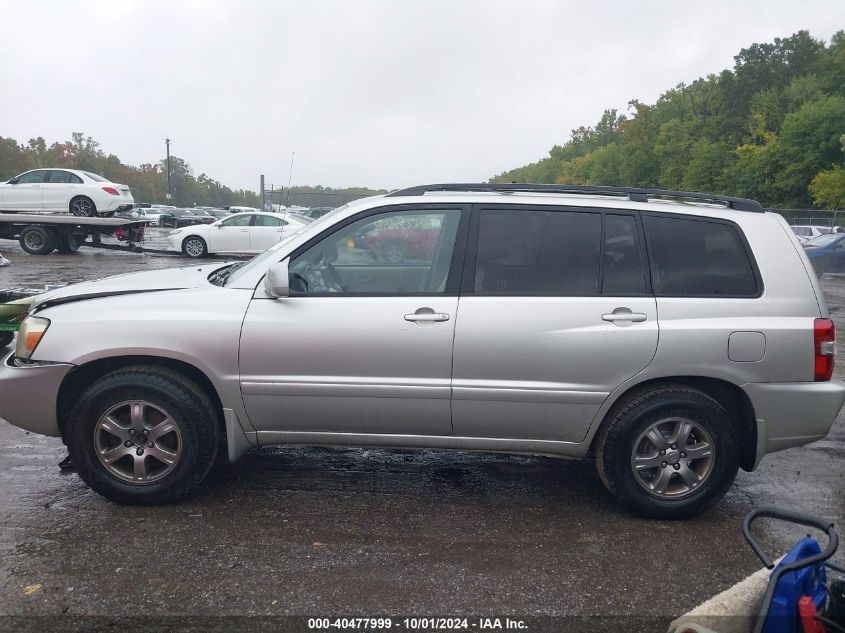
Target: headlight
x=30, y=335
x=175, y=232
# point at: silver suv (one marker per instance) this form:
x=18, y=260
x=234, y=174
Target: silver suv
x=674, y=336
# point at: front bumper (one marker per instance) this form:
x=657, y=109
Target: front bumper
x=794, y=413
x=175, y=242
x=28, y=395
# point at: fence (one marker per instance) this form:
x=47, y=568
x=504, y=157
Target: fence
x=817, y=217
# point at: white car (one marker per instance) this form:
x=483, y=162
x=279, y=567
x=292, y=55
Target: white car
x=239, y=233
x=809, y=231
x=71, y=190
x=153, y=214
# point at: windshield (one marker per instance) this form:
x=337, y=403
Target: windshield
x=259, y=259
x=824, y=240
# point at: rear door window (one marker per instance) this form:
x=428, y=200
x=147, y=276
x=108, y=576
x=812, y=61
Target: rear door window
x=702, y=258
x=538, y=252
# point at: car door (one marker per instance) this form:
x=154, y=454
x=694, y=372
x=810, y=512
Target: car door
x=555, y=313
x=58, y=188
x=266, y=230
x=361, y=346
x=230, y=235
x=23, y=193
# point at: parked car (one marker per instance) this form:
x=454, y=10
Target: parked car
x=313, y=212
x=70, y=190
x=539, y=324
x=179, y=217
x=237, y=233
x=242, y=209
x=826, y=253
x=151, y=213
x=219, y=214
x=809, y=231
x=204, y=215
x=396, y=245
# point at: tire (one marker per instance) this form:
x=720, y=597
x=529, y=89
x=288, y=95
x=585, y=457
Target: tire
x=646, y=489
x=6, y=338
x=108, y=214
x=194, y=246
x=67, y=243
x=36, y=240
x=190, y=447
x=83, y=206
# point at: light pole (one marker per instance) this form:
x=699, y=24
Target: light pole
x=169, y=191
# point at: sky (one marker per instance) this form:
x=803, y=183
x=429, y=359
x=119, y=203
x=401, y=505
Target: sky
x=379, y=93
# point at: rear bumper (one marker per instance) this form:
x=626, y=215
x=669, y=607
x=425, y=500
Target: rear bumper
x=115, y=203
x=28, y=395
x=793, y=414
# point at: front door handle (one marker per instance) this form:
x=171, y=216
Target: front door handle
x=427, y=315
x=624, y=314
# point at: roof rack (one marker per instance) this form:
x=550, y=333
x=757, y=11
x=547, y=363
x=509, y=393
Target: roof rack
x=632, y=193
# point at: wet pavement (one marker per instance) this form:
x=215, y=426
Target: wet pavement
x=319, y=532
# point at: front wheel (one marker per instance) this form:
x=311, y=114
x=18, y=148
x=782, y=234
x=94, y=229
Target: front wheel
x=143, y=435
x=194, y=246
x=668, y=452
x=36, y=240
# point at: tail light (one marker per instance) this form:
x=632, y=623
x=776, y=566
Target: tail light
x=111, y=190
x=824, y=340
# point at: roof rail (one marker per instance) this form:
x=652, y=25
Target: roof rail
x=632, y=193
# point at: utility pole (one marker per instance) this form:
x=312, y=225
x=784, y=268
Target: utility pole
x=263, y=194
x=169, y=190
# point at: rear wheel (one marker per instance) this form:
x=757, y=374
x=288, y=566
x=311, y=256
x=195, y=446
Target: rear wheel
x=67, y=243
x=668, y=452
x=143, y=435
x=194, y=246
x=83, y=207
x=36, y=240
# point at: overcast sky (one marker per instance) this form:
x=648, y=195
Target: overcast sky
x=383, y=93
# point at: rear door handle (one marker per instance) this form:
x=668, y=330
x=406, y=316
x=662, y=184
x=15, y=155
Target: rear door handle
x=427, y=317
x=624, y=314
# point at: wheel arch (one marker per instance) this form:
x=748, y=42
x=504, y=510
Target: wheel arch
x=730, y=396
x=82, y=375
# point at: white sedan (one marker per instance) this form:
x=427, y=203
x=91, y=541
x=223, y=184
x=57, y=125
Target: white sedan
x=238, y=233
x=69, y=190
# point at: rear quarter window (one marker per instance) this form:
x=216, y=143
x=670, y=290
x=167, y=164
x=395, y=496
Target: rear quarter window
x=699, y=258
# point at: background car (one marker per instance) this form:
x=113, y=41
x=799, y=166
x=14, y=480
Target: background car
x=78, y=192
x=203, y=215
x=219, y=213
x=826, y=253
x=179, y=217
x=809, y=231
x=238, y=233
x=313, y=212
x=152, y=213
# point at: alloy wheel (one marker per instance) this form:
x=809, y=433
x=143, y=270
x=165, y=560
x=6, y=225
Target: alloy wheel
x=673, y=457
x=194, y=247
x=137, y=441
x=81, y=207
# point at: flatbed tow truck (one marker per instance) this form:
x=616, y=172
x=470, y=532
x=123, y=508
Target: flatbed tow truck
x=42, y=233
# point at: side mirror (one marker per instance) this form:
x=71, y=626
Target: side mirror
x=276, y=281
